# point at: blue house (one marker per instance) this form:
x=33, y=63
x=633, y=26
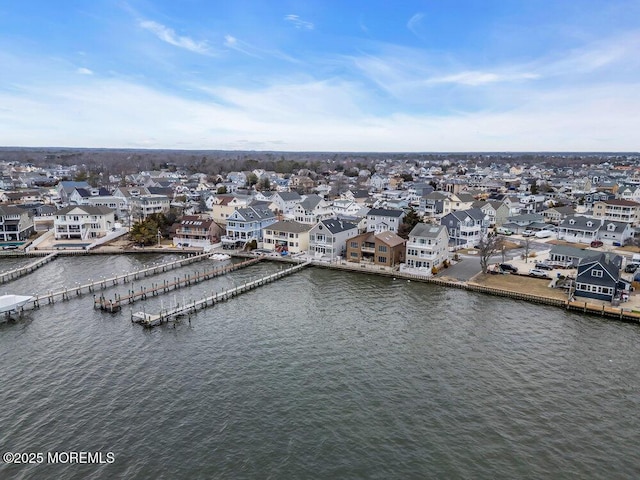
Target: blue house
x=246, y=224
x=599, y=277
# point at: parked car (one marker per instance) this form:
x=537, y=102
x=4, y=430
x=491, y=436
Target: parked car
x=10, y=247
x=596, y=244
x=504, y=231
x=535, y=272
x=631, y=268
x=528, y=233
x=543, y=266
x=507, y=267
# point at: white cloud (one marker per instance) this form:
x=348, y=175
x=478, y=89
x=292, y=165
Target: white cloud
x=168, y=35
x=310, y=115
x=474, y=78
x=414, y=23
x=298, y=22
x=84, y=71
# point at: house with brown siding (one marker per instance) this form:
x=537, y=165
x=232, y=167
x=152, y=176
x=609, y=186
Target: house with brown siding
x=384, y=249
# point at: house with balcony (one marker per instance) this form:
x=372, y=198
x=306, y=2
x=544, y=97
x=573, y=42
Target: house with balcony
x=328, y=239
x=432, y=204
x=578, y=228
x=426, y=248
x=145, y=205
x=456, y=202
x=466, y=227
x=385, y=249
x=287, y=237
x=383, y=220
x=16, y=224
x=83, y=222
x=247, y=224
x=312, y=209
x=81, y=196
x=196, y=231
x=617, y=210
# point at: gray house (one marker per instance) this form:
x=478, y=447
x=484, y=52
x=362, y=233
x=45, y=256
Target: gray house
x=328, y=239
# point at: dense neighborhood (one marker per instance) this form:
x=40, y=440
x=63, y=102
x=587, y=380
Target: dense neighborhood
x=409, y=215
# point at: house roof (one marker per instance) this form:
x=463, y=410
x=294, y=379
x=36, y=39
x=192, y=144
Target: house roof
x=311, y=201
x=384, y=212
x=579, y=222
x=622, y=203
x=88, y=209
x=289, y=196
x=390, y=238
x=336, y=226
x=426, y=230
x=290, y=227
x=607, y=262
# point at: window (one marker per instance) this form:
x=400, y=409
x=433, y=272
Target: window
x=382, y=248
x=596, y=273
x=354, y=244
x=382, y=259
x=354, y=254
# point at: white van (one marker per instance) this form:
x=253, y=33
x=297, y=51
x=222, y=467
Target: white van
x=504, y=231
x=544, y=234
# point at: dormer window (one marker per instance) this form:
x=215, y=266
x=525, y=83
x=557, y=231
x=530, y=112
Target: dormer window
x=596, y=273
x=589, y=224
x=572, y=221
x=611, y=227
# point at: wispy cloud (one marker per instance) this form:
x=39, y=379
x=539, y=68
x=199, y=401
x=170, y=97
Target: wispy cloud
x=168, y=35
x=233, y=43
x=414, y=23
x=476, y=78
x=84, y=71
x=297, y=22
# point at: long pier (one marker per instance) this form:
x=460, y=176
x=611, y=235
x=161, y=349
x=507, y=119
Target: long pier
x=102, y=284
x=149, y=320
x=115, y=305
x=22, y=271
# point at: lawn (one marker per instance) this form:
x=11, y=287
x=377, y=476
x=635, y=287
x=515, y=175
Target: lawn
x=519, y=284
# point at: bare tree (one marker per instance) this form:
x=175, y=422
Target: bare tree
x=527, y=246
x=487, y=247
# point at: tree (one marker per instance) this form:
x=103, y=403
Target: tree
x=533, y=188
x=144, y=232
x=263, y=184
x=527, y=246
x=252, y=179
x=411, y=219
x=221, y=190
x=487, y=247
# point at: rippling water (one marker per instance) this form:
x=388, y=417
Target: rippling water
x=322, y=374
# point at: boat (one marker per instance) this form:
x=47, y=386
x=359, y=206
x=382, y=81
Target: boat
x=11, y=303
x=220, y=257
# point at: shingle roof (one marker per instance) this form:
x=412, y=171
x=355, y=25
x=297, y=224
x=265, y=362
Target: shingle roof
x=290, y=227
x=427, y=230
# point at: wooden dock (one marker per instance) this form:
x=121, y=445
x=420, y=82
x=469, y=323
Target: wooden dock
x=102, y=284
x=22, y=271
x=165, y=315
x=115, y=304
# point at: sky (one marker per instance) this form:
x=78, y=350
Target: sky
x=322, y=75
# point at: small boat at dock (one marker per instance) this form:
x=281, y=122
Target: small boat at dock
x=12, y=303
x=219, y=257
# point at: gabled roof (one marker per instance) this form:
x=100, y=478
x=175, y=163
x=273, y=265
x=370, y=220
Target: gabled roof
x=288, y=196
x=87, y=209
x=604, y=261
x=254, y=213
x=581, y=223
x=621, y=203
x=311, y=202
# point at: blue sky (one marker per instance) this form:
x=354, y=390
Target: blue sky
x=508, y=75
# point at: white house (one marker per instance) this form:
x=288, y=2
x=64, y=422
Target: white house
x=427, y=247
x=83, y=222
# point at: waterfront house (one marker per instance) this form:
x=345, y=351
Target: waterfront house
x=288, y=237
x=383, y=248
x=247, y=223
x=15, y=224
x=83, y=222
x=222, y=206
x=598, y=277
x=571, y=256
x=426, y=248
x=197, y=231
x=382, y=220
x=285, y=202
x=328, y=239
x=466, y=227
